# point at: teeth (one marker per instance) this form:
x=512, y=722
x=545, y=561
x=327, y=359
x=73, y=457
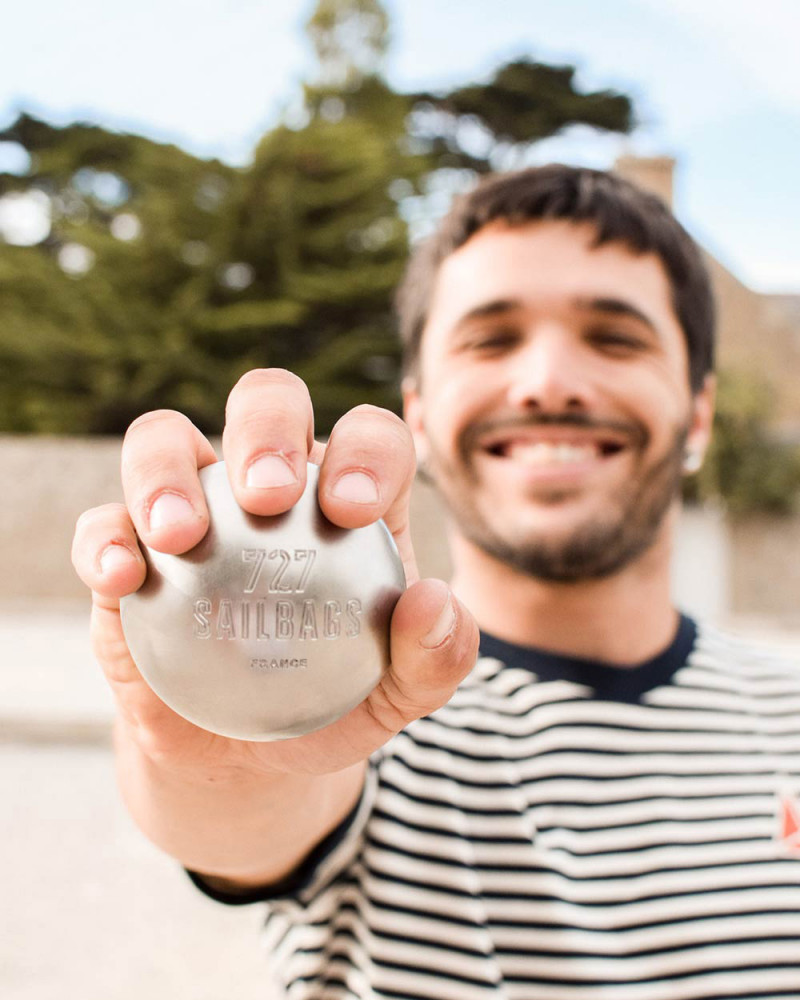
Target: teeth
x=543, y=453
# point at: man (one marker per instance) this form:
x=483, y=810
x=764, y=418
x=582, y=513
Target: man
x=590, y=809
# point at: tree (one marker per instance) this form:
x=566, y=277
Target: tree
x=315, y=219
x=96, y=318
x=493, y=125
x=350, y=38
x=746, y=467
x=164, y=276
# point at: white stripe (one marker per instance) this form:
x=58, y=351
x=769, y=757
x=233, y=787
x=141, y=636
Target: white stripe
x=747, y=985
x=684, y=962
x=689, y=855
x=726, y=701
x=688, y=712
x=706, y=834
x=560, y=886
x=688, y=934
x=614, y=914
x=572, y=763
x=601, y=817
x=691, y=786
x=617, y=943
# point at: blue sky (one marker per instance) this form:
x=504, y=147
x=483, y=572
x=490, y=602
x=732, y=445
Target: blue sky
x=717, y=85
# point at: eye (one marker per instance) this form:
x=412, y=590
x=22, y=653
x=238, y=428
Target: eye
x=613, y=341
x=494, y=340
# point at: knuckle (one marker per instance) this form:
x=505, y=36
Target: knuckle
x=155, y=470
x=377, y=412
x=106, y=512
x=252, y=425
x=114, y=522
x=275, y=393
x=258, y=378
x=378, y=425
x=158, y=416
x=87, y=517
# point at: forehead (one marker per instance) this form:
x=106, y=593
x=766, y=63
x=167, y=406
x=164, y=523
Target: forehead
x=547, y=264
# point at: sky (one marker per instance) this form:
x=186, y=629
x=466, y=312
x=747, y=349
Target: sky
x=716, y=85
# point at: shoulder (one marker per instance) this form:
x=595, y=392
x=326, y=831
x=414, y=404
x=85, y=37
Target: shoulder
x=746, y=664
x=746, y=654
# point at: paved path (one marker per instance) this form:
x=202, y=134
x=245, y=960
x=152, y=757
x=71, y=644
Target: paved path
x=50, y=685
x=89, y=909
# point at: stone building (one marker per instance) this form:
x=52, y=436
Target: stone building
x=757, y=333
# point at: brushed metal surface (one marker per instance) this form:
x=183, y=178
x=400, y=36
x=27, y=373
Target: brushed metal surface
x=271, y=627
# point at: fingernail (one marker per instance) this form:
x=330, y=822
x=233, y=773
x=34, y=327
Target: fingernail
x=356, y=487
x=168, y=509
x=270, y=471
x=114, y=556
x=443, y=626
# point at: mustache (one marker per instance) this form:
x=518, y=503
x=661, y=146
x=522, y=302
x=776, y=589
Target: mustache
x=636, y=434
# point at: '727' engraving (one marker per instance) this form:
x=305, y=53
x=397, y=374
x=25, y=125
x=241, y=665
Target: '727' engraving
x=288, y=575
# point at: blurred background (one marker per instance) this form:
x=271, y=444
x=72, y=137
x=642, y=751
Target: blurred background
x=190, y=190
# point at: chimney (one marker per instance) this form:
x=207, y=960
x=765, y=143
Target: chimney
x=653, y=173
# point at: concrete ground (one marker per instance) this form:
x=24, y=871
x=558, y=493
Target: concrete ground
x=90, y=910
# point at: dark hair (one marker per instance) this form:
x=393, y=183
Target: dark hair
x=619, y=211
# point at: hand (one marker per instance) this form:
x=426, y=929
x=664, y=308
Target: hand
x=366, y=473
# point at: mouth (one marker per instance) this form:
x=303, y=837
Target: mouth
x=553, y=451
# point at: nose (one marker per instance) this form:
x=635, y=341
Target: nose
x=550, y=374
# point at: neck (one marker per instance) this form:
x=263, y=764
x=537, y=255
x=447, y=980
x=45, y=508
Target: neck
x=623, y=619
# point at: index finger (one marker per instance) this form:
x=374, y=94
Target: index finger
x=161, y=454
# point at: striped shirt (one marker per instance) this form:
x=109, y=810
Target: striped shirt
x=566, y=830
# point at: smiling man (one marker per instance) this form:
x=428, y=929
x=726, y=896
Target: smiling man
x=602, y=805
x=556, y=398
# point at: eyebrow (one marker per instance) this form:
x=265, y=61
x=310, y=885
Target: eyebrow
x=608, y=305
x=496, y=307
x=617, y=307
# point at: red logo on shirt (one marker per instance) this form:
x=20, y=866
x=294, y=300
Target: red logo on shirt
x=789, y=823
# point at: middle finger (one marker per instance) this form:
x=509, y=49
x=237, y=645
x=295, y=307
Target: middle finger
x=269, y=431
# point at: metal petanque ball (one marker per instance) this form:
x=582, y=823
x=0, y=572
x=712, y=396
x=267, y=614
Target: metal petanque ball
x=270, y=627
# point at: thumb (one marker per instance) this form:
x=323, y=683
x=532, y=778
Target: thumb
x=434, y=644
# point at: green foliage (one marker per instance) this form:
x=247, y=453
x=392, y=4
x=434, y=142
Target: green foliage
x=314, y=217
x=350, y=38
x=164, y=277
x=746, y=466
x=86, y=351
x=523, y=103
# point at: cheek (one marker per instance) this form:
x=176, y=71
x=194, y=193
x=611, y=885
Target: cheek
x=452, y=397
x=653, y=395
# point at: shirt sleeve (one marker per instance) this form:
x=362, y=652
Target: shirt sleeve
x=324, y=862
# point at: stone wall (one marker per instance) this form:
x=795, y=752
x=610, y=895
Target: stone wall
x=750, y=568
x=49, y=481
x=765, y=570
x=46, y=483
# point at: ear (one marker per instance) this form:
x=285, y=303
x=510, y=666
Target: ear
x=701, y=424
x=414, y=417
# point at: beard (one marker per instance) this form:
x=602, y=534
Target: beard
x=626, y=528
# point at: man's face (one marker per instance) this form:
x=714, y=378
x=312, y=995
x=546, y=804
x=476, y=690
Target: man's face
x=552, y=406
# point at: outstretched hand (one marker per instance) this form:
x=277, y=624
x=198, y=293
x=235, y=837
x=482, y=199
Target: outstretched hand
x=366, y=472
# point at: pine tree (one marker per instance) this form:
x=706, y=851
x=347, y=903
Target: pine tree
x=164, y=277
